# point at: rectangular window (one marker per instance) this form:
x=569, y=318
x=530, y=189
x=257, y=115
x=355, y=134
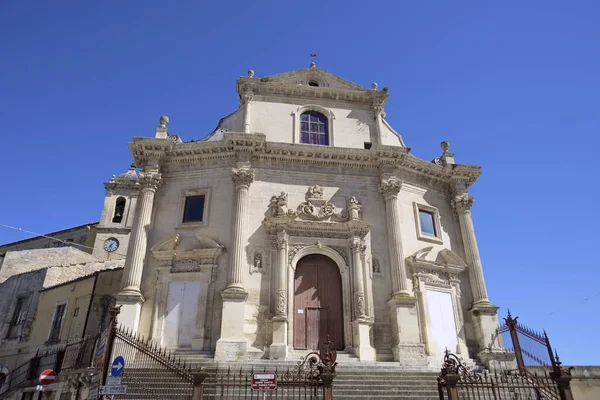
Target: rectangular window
x=57, y=322
x=426, y=219
x=17, y=318
x=194, y=209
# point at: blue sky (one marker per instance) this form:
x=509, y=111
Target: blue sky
x=513, y=86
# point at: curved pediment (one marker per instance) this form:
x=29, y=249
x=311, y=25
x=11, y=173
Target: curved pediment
x=199, y=247
x=436, y=259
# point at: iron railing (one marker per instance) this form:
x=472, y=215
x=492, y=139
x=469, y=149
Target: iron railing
x=457, y=382
x=151, y=371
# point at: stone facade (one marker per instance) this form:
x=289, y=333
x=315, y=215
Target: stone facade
x=227, y=279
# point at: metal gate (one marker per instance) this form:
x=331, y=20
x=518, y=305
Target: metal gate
x=532, y=349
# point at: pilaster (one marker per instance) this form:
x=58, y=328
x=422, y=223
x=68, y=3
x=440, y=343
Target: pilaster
x=279, y=349
x=362, y=323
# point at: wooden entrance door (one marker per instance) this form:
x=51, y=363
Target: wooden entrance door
x=317, y=303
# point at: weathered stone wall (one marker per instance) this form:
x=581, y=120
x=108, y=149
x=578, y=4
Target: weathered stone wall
x=585, y=382
x=18, y=262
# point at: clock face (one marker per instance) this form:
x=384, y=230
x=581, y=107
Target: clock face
x=111, y=244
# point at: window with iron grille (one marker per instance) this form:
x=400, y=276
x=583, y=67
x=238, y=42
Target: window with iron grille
x=57, y=322
x=14, y=327
x=314, y=128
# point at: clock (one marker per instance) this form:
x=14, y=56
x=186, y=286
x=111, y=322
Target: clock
x=111, y=244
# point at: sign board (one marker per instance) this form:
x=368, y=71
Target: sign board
x=113, y=380
x=93, y=390
x=117, y=366
x=47, y=377
x=264, y=381
x=113, y=389
x=70, y=357
x=100, y=347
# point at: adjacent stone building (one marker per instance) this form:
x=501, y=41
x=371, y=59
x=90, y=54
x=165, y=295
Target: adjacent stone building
x=302, y=217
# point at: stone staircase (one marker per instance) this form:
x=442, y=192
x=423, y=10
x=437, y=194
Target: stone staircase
x=355, y=379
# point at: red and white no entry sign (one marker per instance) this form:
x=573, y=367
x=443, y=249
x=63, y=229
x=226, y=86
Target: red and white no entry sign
x=47, y=377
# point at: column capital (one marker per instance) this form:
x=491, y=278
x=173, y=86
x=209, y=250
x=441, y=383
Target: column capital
x=462, y=202
x=357, y=245
x=246, y=97
x=390, y=187
x=150, y=180
x=379, y=110
x=242, y=177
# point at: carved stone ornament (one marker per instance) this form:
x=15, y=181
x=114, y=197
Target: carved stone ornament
x=342, y=251
x=390, y=187
x=292, y=250
x=149, y=180
x=280, y=302
x=242, y=177
x=315, y=217
x=359, y=303
x=279, y=207
x=462, y=202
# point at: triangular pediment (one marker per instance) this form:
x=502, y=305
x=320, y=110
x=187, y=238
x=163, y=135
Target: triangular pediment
x=312, y=74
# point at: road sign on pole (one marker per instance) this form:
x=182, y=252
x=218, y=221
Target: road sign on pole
x=117, y=366
x=47, y=377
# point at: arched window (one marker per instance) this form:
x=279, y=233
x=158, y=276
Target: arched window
x=314, y=129
x=119, y=210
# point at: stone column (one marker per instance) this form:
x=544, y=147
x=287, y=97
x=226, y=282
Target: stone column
x=278, y=349
x=242, y=179
x=361, y=325
x=247, y=98
x=462, y=203
x=130, y=296
x=484, y=314
x=406, y=338
x=389, y=188
x=232, y=344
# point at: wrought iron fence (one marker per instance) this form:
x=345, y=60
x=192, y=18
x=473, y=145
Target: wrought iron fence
x=531, y=348
x=457, y=382
x=311, y=379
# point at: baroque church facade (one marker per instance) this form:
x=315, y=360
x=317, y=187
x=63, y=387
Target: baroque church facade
x=302, y=218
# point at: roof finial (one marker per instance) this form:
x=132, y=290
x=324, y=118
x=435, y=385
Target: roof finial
x=313, y=65
x=445, y=146
x=164, y=121
x=250, y=73
x=374, y=86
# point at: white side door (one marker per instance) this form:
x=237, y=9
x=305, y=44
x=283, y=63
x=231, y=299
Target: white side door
x=442, y=326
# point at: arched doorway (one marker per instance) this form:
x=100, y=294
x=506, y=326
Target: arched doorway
x=317, y=303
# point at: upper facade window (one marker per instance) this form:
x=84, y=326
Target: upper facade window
x=428, y=223
x=57, y=321
x=314, y=128
x=194, y=209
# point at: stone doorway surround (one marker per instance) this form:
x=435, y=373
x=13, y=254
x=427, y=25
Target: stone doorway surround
x=316, y=226
x=442, y=273
x=190, y=259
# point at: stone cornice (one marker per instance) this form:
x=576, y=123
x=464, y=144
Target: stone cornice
x=361, y=96
x=145, y=150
